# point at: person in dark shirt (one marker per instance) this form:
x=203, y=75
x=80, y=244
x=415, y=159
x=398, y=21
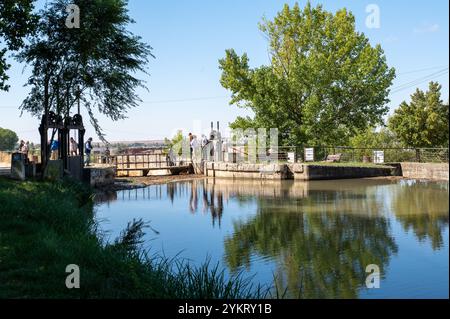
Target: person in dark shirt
x=87, y=151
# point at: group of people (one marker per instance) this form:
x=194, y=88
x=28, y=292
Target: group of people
x=73, y=149
x=194, y=143
x=24, y=148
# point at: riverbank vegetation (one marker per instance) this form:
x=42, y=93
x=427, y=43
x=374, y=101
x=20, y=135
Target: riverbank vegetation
x=44, y=227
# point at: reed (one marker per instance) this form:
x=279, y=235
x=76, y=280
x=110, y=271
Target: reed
x=46, y=226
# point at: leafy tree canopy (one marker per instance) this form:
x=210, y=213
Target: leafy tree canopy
x=16, y=22
x=177, y=139
x=8, y=139
x=324, y=82
x=371, y=138
x=424, y=121
x=97, y=62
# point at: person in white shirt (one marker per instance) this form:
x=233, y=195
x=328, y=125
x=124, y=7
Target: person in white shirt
x=193, y=144
x=204, y=141
x=73, y=147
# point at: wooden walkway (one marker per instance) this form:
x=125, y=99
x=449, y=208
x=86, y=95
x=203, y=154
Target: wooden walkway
x=145, y=163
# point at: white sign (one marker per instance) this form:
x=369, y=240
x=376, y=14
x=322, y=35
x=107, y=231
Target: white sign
x=309, y=154
x=378, y=157
x=291, y=157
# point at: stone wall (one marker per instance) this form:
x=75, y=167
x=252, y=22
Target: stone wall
x=5, y=159
x=296, y=171
x=324, y=172
x=100, y=176
x=308, y=172
x=435, y=171
x=241, y=170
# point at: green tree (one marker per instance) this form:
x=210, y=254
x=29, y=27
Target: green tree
x=176, y=140
x=384, y=139
x=8, y=139
x=96, y=63
x=324, y=82
x=371, y=138
x=16, y=22
x=368, y=140
x=424, y=121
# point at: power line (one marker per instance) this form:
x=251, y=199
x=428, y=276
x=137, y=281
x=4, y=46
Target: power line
x=422, y=70
x=187, y=100
x=420, y=80
x=394, y=90
x=163, y=101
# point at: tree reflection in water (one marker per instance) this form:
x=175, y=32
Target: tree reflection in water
x=322, y=252
x=423, y=207
x=323, y=241
x=321, y=235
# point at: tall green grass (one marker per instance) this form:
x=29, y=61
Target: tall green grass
x=46, y=226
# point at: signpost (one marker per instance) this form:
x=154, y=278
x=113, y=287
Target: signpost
x=291, y=157
x=378, y=157
x=309, y=154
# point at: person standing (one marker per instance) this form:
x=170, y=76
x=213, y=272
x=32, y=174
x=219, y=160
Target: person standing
x=190, y=143
x=54, y=147
x=193, y=144
x=73, y=147
x=87, y=151
x=21, y=146
x=26, y=149
x=204, y=140
x=170, y=158
x=107, y=155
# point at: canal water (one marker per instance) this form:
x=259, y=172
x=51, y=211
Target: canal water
x=308, y=239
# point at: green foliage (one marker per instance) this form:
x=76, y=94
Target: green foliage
x=324, y=83
x=46, y=226
x=8, y=139
x=372, y=139
x=176, y=140
x=394, y=151
x=97, y=62
x=16, y=22
x=424, y=121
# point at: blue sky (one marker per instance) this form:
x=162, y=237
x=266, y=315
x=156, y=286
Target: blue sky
x=189, y=37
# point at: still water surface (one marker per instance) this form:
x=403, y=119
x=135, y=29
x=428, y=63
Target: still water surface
x=310, y=239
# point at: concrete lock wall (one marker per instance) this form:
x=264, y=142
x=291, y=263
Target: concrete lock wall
x=241, y=170
x=318, y=172
x=101, y=176
x=306, y=172
x=435, y=171
x=296, y=171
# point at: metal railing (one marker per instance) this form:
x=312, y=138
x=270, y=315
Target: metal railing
x=391, y=154
x=146, y=161
x=356, y=154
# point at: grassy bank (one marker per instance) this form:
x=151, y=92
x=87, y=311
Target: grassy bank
x=46, y=226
